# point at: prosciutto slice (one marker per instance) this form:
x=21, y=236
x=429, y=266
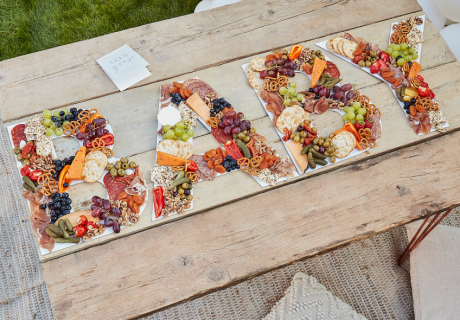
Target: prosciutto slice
x=309, y=105
x=283, y=168
x=420, y=123
x=321, y=105
x=274, y=103
x=39, y=218
x=165, y=96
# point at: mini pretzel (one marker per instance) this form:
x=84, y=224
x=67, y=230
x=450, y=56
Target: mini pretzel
x=416, y=83
x=398, y=38
x=84, y=116
x=213, y=122
x=178, y=168
x=192, y=176
x=364, y=144
x=405, y=68
x=98, y=143
x=254, y=171
x=108, y=152
x=92, y=112
x=255, y=162
x=69, y=128
x=365, y=133
x=243, y=163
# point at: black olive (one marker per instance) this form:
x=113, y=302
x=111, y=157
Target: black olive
x=412, y=100
x=310, y=90
x=66, y=184
x=317, y=96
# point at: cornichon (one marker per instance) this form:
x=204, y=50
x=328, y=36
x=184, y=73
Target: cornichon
x=51, y=233
x=246, y=152
x=317, y=155
x=29, y=182
x=56, y=230
x=27, y=187
x=305, y=150
x=320, y=162
x=67, y=240
x=180, y=175
x=178, y=182
x=311, y=161
x=62, y=226
x=69, y=225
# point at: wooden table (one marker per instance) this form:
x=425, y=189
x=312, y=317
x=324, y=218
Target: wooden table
x=236, y=230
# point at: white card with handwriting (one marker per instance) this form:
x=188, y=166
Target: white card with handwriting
x=124, y=66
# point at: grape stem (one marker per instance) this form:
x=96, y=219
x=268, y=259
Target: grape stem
x=355, y=85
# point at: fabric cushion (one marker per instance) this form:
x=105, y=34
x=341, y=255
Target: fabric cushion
x=308, y=299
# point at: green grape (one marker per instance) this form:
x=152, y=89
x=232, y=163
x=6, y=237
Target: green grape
x=351, y=115
x=395, y=53
x=175, y=137
x=359, y=117
x=47, y=122
x=53, y=125
x=65, y=111
x=411, y=50
x=180, y=124
x=346, y=109
x=397, y=47
x=353, y=121
x=58, y=132
x=362, y=111
x=299, y=97
x=47, y=114
x=400, y=61
x=415, y=56
x=356, y=105
x=392, y=45
x=291, y=92
x=408, y=58
x=404, y=46
x=164, y=136
x=283, y=91
x=405, y=52
x=345, y=117
x=184, y=137
x=65, y=122
x=167, y=128
x=292, y=84
x=178, y=131
x=389, y=50
x=56, y=114
x=169, y=134
x=190, y=133
x=49, y=132
x=286, y=101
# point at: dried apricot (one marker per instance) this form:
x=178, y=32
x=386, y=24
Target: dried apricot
x=173, y=90
x=390, y=79
x=357, y=52
x=181, y=92
x=219, y=150
x=361, y=46
x=397, y=82
x=224, y=110
x=420, y=109
x=122, y=196
x=206, y=157
x=278, y=55
x=178, y=85
x=137, y=199
x=217, y=162
x=270, y=57
x=308, y=68
x=413, y=111
x=211, y=164
x=135, y=208
x=263, y=164
x=231, y=109
x=188, y=93
x=224, y=153
x=211, y=153
x=220, y=169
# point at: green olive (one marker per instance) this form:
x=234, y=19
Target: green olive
x=292, y=136
x=247, y=139
x=241, y=135
x=124, y=160
x=190, y=186
x=26, y=162
x=361, y=63
x=113, y=172
x=327, y=139
x=316, y=141
x=318, y=52
x=314, y=129
x=124, y=165
x=321, y=142
x=121, y=172
x=110, y=166
x=326, y=144
x=245, y=132
x=303, y=134
x=326, y=153
x=189, y=197
x=28, y=156
x=30, y=141
x=296, y=138
x=132, y=165
x=331, y=135
x=316, y=147
x=185, y=185
x=368, y=58
x=19, y=157
x=333, y=159
x=373, y=53
x=17, y=151
x=182, y=196
x=118, y=165
x=302, y=140
x=252, y=130
x=235, y=135
x=368, y=64
x=181, y=191
x=238, y=140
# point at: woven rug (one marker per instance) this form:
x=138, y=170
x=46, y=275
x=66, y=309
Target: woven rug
x=363, y=274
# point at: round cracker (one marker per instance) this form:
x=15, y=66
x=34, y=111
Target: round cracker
x=258, y=63
x=329, y=45
x=255, y=81
x=249, y=70
x=291, y=118
x=334, y=44
x=170, y=146
x=92, y=170
x=339, y=46
x=345, y=143
x=188, y=150
x=97, y=155
x=348, y=48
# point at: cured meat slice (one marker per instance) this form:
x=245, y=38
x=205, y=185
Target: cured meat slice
x=332, y=70
x=376, y=127
x=165, y=96
x=321, y=105
x=309, y=105
x=220, y=135
x=356, y=40
x=17, y=133
x=274, y=102
x=421, y=123
x=203, y=172
x=200, y=87
x=39, y=218
x=114, y=187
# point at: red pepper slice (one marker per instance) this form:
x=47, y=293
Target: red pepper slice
x=419, y=77
x=25, y=171
x=158, y=200
x=233, y=150
x=79, y=231
x=309, y=130
x=34, y=175
x=431, y=94
x=108, y=139
x=83, y=220
x=192, y=166
x=295, y=52
x=92, y=224
x=287, y=134
x=27, y=149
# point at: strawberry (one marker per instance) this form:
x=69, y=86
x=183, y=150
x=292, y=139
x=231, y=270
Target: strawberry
x=359, y=125
x=384, y=56
x=375, y=68
x=367, y=124
x=382, y=64
x=420, y=78
x=431, y=94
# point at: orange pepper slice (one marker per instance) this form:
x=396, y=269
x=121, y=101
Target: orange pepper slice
x=63, y=180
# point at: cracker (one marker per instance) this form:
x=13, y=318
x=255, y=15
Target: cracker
x=348, y=48
x=170, y=146
x=339, y=46
x=255, y=81
x=97, y=155
x=345, y=143
x=92, y=170
x=258, y=64
x=249, y=70
x=291, y=118
x=188, y=149
x=329, y=45
x=334, y=44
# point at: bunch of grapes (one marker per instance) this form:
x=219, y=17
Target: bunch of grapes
x=290, y=94
x=234, y=123
x=54, y=121
x=402, y=53
x=179, y=130
x=281, y=66
x=103, y=209
x=95, y=129
x=339, y=93
x=354, y=112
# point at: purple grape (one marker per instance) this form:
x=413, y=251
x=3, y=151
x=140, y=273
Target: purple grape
x=221, y=125
x=99, y=122
x=236, y=130
x=291, y=73
x=350, y=94
x=288, y=65
x=116, y=227
x=96, y=212
x=106, y=131
x=294, y=66
x=86, y=141
x=338, y=95
x=336, y=89
x=323, y=92
x=227, y=130
x=281, y=62
x=92, y=134
x=237, y=122
x=268, y=64
x=99, y=132
x=103, y=215
x=116, y=212
x=97, y=201
x=226, y=121
x=108, y=222
x=94, y=206
x=263, y=74
x=343, y=100
x=317, y=89
x=271, y=73
x=243, y=125
x=283, y=71
x=248, y=124
x=322, y=149
x=90, y=126
x=231, y=115
x=81, y=135
x=240, y=115
x=346, y=87
x=106, y=205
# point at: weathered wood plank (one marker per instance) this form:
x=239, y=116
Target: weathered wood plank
x=220, y=247
x=69, y=74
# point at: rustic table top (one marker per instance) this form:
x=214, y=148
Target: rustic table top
x=237, y=229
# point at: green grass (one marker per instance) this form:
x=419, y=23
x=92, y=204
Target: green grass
x=28, y=26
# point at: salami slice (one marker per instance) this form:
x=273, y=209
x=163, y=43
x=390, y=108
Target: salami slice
x=164, y=93
x=200, y=87
x=204, y=172
x=376, y=127
x=17, y=133
x=114, y=187
x=220, y=135
x=332, y=70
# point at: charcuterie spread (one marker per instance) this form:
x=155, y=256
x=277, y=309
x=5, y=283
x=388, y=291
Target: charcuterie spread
x=398, y=65
x=289, y=108
x=47, y=179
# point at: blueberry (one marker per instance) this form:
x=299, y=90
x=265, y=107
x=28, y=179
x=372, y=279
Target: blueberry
x=54, y=118
x=43, y=206
x=406, y=104
x=65, y=195
x=409, y=63
x=310, y=90
x=68, y=201
x=71, y=158
x=62, y=118
x=65, y=212
x=68, y=116
x=61, y=113
x=317, y=96
x=66, y=184
x=58, y=124
x=73, y=110
x=80, y=110
x=66, y=207
x=412, y=100
x=49, y=204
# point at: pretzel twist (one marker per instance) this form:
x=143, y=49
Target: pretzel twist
x=213, y=122
x=192, y=176
x=243, y=163
x=107, y=151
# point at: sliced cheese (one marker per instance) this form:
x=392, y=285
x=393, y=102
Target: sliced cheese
x=197, y=104
x=76, y=168
x=300, y=159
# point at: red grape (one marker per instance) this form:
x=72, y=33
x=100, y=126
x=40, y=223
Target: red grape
x=243, y=125
x=221, y=125
x=100, y=132
x=323, y=92
x=337, y=95
x=96, y=212
x=248, y=124
x=226, y=122
x=281, y=62
x=103, y=215
x=90, y=126
x=227, y=130
x=283, y=71
x=108, y=222
x=268, y=64
x=116, y=227
x=97, y=201
x=346, y=87
x=99, y=122
x=92, y=134
x=263, y=74
x=288, y=65
x=240, y=115
x=237, y=122
x=350, y=94
x=294, y=66
x=343, y=100
x=116, y=212
x=236, y=130
x=291, y=73
x=271, y=73
x=106, y=131
x=317, y=89
x=336, y=89
x=231, y=114
x=106, y=205
x=81, y=135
